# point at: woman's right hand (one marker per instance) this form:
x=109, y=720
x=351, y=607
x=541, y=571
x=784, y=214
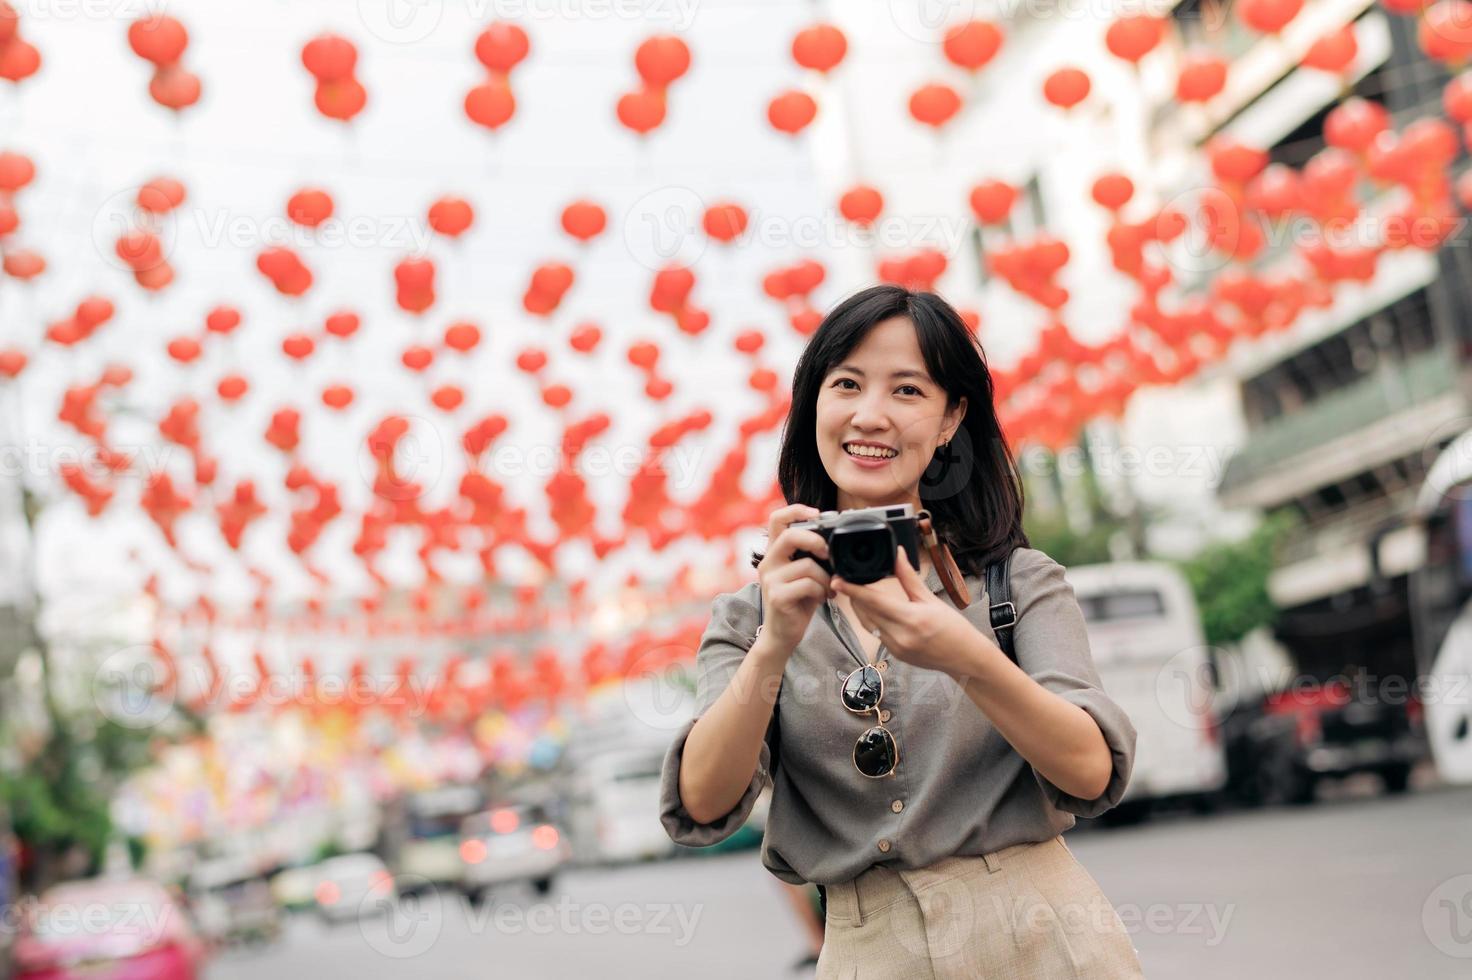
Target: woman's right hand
x=792, y=590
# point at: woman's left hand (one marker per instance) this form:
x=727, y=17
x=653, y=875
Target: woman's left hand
x=915, y=624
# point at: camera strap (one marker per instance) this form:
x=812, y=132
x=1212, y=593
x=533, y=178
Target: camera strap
x=944, y=564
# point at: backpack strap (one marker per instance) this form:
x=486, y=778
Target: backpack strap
x=1002, y=612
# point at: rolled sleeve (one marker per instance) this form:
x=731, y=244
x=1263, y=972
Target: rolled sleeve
x=1053, y=647
x=727, y=637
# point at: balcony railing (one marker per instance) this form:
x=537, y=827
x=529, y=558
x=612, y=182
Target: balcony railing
x=1335, y=421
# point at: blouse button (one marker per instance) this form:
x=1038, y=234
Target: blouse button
x=884, y=845
x=883, y=714
x=882, y=665
x=897, y=805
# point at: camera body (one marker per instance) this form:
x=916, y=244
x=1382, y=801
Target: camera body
x=862, y=542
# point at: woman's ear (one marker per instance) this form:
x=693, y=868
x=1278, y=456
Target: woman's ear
x=954, y=415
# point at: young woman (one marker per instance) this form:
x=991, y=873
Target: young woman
x=924, y=778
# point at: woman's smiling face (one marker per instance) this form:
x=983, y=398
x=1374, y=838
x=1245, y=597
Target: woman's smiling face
x=880, y=418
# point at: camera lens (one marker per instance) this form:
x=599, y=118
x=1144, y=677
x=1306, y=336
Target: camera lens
x=862, y=553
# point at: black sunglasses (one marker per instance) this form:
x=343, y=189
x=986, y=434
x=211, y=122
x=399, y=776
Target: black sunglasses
x=875, y=754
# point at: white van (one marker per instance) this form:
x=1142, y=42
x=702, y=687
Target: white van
x=621, y=789
x=1146, y=639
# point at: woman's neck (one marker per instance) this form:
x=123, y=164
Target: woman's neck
x=847, y=501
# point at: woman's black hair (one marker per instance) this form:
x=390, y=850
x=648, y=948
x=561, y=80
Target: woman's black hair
x=972, y=488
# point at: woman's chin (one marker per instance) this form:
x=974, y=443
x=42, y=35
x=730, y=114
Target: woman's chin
x=874, y=486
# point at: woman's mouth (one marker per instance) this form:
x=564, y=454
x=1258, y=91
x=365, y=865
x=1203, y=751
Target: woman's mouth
x=870, y=455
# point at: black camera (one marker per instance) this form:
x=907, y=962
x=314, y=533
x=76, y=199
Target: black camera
x=862, y=543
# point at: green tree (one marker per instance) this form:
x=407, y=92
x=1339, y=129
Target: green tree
x=1230, y=580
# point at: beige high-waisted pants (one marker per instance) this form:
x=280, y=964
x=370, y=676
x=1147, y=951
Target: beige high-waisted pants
x=1028, y=912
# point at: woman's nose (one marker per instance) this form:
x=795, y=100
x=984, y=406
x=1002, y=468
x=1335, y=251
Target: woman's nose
x=869, y=414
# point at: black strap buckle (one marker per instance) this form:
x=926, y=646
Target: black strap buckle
x=1003, y=615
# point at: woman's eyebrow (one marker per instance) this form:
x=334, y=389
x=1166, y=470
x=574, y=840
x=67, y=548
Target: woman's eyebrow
x=902, y=373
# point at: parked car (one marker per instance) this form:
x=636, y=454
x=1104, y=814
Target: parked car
x=232, y=902
x=621, y=792
x=292, y=888
x=428, y=855
x=1147, y=641
x=515, y=843
x=120, y=929
x=353, y=886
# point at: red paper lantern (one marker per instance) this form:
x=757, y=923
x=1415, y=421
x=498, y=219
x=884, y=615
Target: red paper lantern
x=222, y=319
x=337, y=397
x=462, y=336
x=309, y=208
x=1445, y=32
x=1113, y=191
x=417, y=358
x=791, y=112
x=341, y=100
x=1066, y=87
x=583, y=220
x=861, y=205
x=935, y=104
x=1456, y=101
x=1334, y=52
x=175, y=88
x=1132, y=38
x=502, y=46
x=491, y=104
x=161, y=195
x=992, y=200
x=232, y=387
x=342, y=324
x=644, y=354
x=1354, y=123
x=159, y=38
x=447, y=398
x=972, y=45
x=820, y=47
x=16, y=171
x=451, y=216
x=1202, y=76
x=330, y=58
x=23, y=264
x=585, y=337
x=724, y=222
x=19, y=60
x=662, y=59
x=184, y=349
x=1234, y=162
x=1267, y=16
x=298, y=347
x=12, y=362
x=642, y=111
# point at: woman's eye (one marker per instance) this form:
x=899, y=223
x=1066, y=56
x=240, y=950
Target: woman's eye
x=909, y=390
x=844, y=381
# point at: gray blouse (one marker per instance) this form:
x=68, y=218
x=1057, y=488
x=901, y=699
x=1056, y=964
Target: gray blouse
x=959, y=789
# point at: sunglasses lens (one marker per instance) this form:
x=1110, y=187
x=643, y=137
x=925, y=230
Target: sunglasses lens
x=875, y=753
x=862, y=689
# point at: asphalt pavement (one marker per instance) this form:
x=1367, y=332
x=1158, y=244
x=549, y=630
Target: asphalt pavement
x=1355, y=887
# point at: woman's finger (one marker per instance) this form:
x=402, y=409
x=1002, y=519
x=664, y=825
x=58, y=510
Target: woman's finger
x=791, y=514
x=909, y=577
x=793, y=540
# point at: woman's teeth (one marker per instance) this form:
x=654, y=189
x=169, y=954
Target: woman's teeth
x=870, y=452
